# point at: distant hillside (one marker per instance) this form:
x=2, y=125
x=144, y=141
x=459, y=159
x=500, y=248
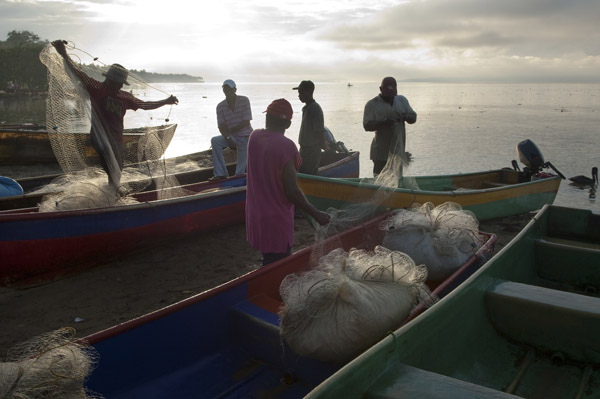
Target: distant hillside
x=152, y=77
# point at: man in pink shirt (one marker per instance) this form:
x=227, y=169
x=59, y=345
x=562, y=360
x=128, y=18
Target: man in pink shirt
x=272, y=189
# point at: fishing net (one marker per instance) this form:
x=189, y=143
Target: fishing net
x=443, y=237
x=50, y=366
x=349, y=301
x=71, y=116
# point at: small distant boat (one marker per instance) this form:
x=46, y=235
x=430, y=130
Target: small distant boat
x=525, y=325
x=350, y=85
x=584, y=180
x=225, y=342
x=28, y=143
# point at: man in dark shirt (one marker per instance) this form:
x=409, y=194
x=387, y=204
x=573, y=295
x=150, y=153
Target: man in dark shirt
x=312, y=129
x=385, y=115
x=109, y=104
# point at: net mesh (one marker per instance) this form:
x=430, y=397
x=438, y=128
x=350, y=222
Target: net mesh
x=70, y=117
x=51, y=366
x=443, y=237
x=349, y=301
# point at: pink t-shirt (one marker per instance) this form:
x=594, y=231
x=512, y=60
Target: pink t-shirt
x=269, y=214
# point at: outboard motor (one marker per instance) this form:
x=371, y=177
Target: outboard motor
x=531, y=156
x=333, y=145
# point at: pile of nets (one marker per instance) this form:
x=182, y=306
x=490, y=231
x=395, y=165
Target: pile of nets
x=349, y=301
x=69, y=120
x=442, y=237
x=51, y=366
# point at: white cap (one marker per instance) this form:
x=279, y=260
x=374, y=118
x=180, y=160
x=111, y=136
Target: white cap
x=229, y=83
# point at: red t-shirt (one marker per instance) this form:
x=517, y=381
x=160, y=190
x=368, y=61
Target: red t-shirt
x=269, y=213
x=109, y=107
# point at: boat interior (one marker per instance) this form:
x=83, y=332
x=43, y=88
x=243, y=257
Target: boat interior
x=246, y=357
x=528, y=325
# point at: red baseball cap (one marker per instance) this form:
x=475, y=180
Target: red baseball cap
x=280, y=108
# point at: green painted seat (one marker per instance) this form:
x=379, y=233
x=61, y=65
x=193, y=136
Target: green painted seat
x=546, y=319
x=402, y=382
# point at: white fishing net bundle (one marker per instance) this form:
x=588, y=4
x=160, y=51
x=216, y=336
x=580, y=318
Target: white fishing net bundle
x=388, y=180
x=50, y=366
x=349, y=302
x=442, y=237
x=69, y=119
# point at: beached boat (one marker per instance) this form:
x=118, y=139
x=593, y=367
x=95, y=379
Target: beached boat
x=333, y=164
x=30, y=144
x=225, y=342
x=525, y=325
x=490, y=194
x=38, y=247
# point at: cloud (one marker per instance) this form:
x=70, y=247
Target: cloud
x=351, y=40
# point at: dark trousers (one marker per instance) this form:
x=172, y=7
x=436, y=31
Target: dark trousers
x=107, y=156
x=311, y=158
x=378, y=166
x=270, y=257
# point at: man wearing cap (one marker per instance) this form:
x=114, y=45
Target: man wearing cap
x=312, y=129
x=233, y=119
x=272, y=191
x=109, y=104
x=385, y=115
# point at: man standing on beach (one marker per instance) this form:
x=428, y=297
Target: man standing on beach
x=272, y=190
x=109, y=104
x=233, y=118
x=312, y=129
x=385, y=115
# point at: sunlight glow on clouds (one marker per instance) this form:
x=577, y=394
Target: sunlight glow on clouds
x=346, y=40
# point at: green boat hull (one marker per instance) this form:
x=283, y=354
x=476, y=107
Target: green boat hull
x=490, y=194
x=525, y=325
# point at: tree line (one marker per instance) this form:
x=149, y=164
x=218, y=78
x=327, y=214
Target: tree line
x=21, y=70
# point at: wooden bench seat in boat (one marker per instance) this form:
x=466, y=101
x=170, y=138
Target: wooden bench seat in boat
x=546, y=319
x=569, y=261
x=404, y=381
x=493, y=184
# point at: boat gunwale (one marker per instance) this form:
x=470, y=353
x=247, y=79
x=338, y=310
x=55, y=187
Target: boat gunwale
x=16, y=216
x=458, y=193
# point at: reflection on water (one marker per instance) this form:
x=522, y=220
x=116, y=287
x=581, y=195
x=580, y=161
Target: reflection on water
x=22, y=109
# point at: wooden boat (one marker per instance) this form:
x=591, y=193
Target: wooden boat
x=225, y=342
x=490, y=194
x=39, y=247
x=525, y=325
x=30, y=144
x=333, y=164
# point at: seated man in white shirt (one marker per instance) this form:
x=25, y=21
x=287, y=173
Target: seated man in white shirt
x=233, y=118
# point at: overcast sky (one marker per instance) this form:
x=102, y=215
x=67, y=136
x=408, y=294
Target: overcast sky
x=342, y=40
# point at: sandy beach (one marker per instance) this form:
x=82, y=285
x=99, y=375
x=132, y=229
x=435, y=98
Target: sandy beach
x=152, y=278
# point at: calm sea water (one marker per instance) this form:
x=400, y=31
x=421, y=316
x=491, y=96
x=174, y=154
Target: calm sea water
x=460, y=127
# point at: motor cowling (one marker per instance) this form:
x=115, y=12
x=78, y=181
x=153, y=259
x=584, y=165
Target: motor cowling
x=530, y=156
